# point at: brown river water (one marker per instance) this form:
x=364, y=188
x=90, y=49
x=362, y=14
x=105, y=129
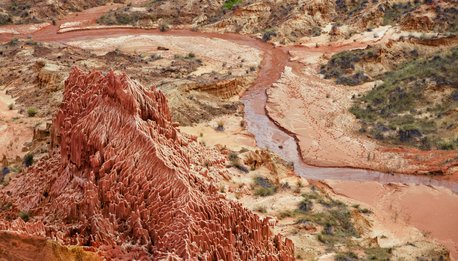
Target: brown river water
x=267, y=133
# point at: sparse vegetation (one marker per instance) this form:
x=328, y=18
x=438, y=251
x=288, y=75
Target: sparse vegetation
x=5, y=171
x=231, y=4
x=446, y=19
x=305, y=205
x=191, y=56
x=13, y=42
x=31, y=112
x=264, y=187
x=378, y=253
x=393, y=13
x=268, y=34
x=332, y=216
x=220, y=126
x=6, y=206
x=399, y=111
x=346, y=256
x=28, y=160
x=164, y=27
x=346, y=9
x=123, y=16
x=233, y=157
x=342, y=66
x=5, y=19
x=155, y=57
x=316, y=31
x=285, y=214
x=236, y=162
x=24, y=215
x=261, y=209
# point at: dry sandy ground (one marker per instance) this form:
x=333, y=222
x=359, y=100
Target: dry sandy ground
x=317, y=113
x=15, y=129
x=22, y=29
x=434, y=211
x=218, y=54
x=234, y=135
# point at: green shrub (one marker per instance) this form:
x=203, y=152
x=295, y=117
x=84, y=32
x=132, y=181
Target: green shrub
x=235, y=162
x=233, y=157
x=230, y=4
x=264, y=187
x=31, y=112
x=346, y=256
x=268, y=35
x=316, y=31
x=24, y=215
x=191, y=56
x=305, y=205
x=5, y=19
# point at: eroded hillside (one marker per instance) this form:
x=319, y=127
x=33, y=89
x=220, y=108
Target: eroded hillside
x=162, y=208
x=247, y=94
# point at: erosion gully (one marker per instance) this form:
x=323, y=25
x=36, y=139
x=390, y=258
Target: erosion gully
x=267, y=133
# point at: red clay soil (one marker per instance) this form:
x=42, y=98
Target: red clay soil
x=124, y=181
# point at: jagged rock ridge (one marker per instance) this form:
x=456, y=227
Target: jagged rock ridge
x=123, y=180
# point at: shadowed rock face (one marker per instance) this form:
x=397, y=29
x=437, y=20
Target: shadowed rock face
x=124, y=181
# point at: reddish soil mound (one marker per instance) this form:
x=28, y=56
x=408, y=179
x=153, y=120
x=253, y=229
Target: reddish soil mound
x=127, y=183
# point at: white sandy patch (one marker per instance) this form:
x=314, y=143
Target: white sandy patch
x=217, y=54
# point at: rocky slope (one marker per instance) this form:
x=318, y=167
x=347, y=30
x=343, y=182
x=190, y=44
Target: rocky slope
x=190, y=79
x=24, y=11
x=290, y=21
x=132, y=185
x=413, y=103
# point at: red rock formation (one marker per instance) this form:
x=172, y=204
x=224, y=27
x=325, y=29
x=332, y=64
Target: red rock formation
x=127, y=183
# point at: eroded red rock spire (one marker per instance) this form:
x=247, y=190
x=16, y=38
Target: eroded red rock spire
x=123, y=180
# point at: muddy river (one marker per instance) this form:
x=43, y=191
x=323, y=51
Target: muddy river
x=267, y=133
